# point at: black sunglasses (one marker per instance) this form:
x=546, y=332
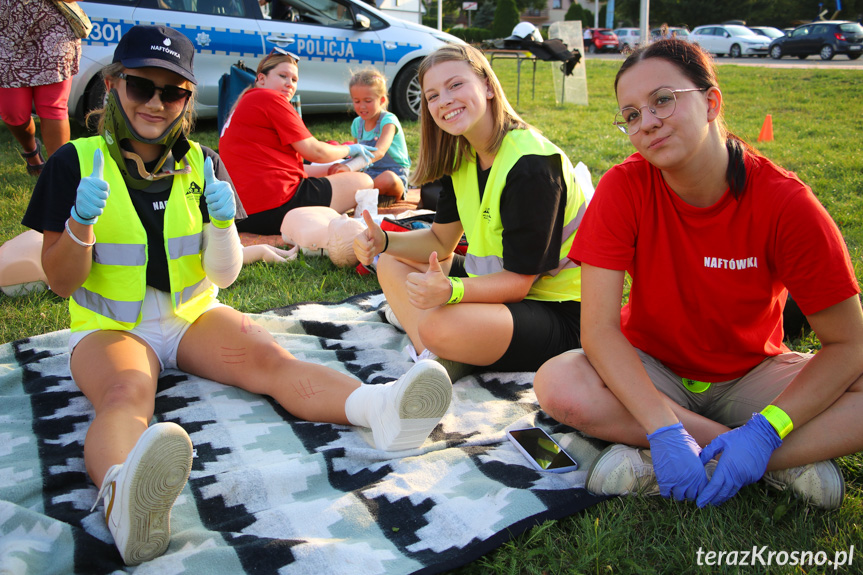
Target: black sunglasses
x=281, y=51
x=140, y=90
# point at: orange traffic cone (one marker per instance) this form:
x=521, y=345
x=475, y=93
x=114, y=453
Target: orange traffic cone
x=766, y=134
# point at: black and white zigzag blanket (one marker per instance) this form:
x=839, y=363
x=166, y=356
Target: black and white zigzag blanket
x=270, y=493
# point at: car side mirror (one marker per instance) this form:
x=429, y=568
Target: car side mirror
x=362, y=22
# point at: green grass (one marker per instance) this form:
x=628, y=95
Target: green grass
x=815, y=120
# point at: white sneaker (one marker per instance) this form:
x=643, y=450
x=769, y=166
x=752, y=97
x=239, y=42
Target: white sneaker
x=411, y=407
x=622, y=470
x=139, y=493
x=625, y=470
x=390, y=315
x=455, y=369
x=820, y=484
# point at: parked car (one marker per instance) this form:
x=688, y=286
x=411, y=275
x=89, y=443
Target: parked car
x=731, y=39
x=332, y=37
x=628, y=38
x=768, y=31
x=673, y=32
x=826, y=39
x=600, y=40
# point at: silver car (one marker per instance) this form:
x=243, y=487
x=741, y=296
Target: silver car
x=332, y=38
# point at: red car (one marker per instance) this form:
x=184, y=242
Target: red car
x=601, y=40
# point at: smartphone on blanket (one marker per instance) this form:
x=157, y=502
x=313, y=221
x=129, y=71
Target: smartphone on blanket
x=541, y=450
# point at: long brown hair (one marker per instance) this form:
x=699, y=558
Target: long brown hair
x=441, y=153
x=697, y=65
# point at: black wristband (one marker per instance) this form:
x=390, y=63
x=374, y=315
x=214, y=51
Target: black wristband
x=387, y=238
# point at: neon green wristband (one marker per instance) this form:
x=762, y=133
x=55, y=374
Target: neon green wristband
x=778, y=419
x=221, y=224
x=457, y=290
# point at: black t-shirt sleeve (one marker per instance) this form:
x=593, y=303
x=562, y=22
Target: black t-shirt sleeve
x=532, y=209
x=55, y=192
x=447, y=209
x=221, y=172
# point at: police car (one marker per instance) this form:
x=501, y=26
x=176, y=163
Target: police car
x=332, y=38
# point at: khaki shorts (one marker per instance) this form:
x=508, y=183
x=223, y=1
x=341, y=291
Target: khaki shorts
x=731, y=402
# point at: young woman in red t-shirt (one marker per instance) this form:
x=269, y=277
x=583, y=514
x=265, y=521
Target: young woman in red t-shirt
x=715, y=237
x=264, y=143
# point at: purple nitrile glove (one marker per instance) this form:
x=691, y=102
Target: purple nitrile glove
x=745, y=453
x=679, y=471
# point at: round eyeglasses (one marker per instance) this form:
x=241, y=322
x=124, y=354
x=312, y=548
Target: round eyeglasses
x=660, y=103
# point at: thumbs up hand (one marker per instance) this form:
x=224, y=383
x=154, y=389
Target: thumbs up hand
x=93, y=194
x=219, y=196
x=370, y=242
x=431, y=288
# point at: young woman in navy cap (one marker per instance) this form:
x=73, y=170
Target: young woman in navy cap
x=139, y=232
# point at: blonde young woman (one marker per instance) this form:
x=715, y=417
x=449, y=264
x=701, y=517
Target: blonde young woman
x=139, y=230
x=264, y=143
x=513, y=301
x=715, y=237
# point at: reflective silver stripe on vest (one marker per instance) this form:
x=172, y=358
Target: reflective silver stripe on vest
x=184, y=246
x=482, y=265
x=564, y=264
x=120, y=254
x=191, y=291
x=568, y=231
x=570, y=228
x=125, y=311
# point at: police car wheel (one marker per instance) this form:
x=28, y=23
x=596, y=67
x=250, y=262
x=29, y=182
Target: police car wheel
x=407, y=93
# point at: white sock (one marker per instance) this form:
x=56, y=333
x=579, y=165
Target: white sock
x=364, y=400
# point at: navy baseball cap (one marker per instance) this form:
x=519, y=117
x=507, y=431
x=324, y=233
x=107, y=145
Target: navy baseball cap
x=159, y=47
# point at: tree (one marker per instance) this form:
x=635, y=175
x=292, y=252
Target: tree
x=505, y=18
x=485, y=15
x=576, y=13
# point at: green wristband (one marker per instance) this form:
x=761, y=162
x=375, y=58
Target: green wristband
x=778, y=419
x=221, y=224
x=457, y=290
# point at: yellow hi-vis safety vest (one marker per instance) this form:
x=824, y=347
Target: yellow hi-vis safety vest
x=484, y=228
x=113, y=293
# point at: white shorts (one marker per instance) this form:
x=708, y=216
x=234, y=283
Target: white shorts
x=160, y=329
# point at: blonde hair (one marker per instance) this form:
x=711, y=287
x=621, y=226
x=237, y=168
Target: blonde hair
x=111, y=71
x=371, y=78
x=442, y=153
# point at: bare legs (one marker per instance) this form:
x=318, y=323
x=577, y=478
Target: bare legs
x=472, y=333
x=570, y=390
x=118, y=373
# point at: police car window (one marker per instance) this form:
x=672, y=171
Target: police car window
x=324, y=12
x=234, y=8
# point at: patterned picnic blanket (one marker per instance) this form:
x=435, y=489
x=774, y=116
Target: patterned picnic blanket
x=270, y=493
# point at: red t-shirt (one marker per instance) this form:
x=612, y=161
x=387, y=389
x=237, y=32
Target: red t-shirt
x=709, y=284
x=256, y=149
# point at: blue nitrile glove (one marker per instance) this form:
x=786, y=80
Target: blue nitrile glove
x=220, y=198
x=367, y=152
x=678, y=469
x=745, y=453
x=93, y=194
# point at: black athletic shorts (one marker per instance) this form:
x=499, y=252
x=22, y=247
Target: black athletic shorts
x=541, y=329
x=310, y=192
